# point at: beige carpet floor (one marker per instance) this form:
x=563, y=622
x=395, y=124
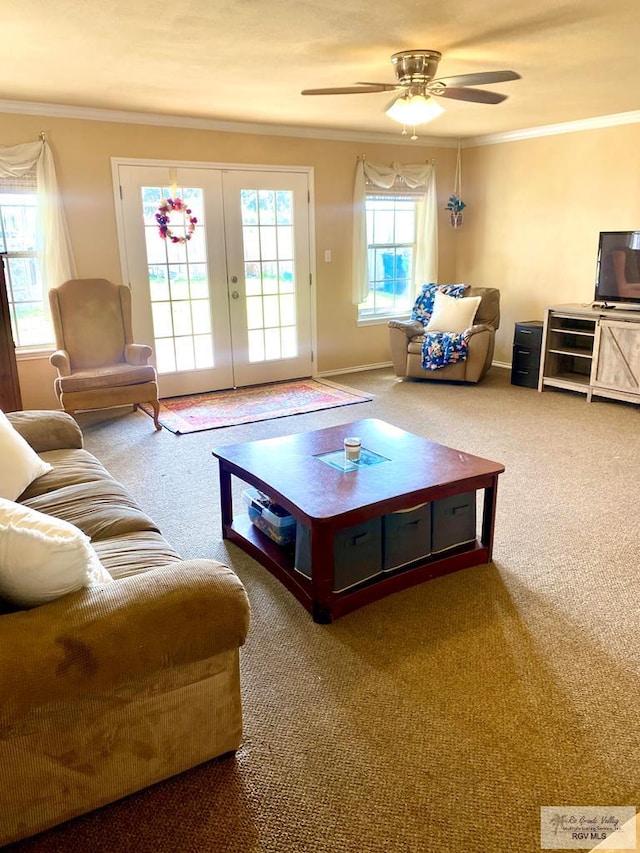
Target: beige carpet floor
x=440, y=719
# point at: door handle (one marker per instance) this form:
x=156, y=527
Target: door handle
x=234, y=279
x=235, y=295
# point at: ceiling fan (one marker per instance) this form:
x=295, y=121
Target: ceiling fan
x=415, y=71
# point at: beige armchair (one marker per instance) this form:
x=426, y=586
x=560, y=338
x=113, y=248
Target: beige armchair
x=98, y=364
x=405, y=338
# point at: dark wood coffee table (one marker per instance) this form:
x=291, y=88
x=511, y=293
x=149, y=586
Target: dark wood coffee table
x=327, y=500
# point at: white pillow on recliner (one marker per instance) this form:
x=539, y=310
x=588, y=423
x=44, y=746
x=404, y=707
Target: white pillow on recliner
x=451, y=314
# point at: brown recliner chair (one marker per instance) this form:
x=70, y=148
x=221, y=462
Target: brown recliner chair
x=98, y=364
x=406, y=337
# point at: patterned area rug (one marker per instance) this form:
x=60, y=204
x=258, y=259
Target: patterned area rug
x=216, y=409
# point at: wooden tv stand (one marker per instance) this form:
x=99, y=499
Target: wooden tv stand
x=591, y=350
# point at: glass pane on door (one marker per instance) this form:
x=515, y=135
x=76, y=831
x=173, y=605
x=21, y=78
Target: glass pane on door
x=267, y=238
x=178, y=282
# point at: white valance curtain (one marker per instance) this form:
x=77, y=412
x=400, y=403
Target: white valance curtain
x=57, y=263
x=415, y=176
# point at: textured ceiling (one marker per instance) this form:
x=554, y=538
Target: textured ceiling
x=247, y=60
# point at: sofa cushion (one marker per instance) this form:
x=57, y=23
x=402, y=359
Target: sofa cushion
x=21, y=465
x=68, y=468
x=451, y=314
x=101, y=509
x=107, y=377
x=43, y=558
x=135, y=553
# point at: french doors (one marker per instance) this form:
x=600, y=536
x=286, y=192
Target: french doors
x=224, y=298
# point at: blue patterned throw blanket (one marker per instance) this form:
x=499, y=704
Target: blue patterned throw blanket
x=439, y=348
x=442, y=348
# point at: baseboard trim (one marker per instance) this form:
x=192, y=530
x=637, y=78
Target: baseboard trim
x=359, y=368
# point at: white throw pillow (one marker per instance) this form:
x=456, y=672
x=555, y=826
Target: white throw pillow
x=43, y=558
x=20, y=465
x=451, y=314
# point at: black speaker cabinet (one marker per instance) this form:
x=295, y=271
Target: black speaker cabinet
x=527, y=346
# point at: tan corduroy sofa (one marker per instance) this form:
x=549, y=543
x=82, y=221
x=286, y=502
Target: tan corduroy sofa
x=110, y=689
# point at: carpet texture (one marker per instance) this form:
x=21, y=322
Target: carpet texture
x=439, y=719
x=218, y=409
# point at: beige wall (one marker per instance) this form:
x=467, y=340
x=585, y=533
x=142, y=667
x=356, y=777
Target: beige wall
x=535, y=210
x=83, y=151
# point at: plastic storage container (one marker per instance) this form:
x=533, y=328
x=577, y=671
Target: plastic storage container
x=357, y=553
x=406, y=536
x=453, y=522
x=269, y=517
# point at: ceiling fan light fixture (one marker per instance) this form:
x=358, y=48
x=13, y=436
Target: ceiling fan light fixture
x=413, y=110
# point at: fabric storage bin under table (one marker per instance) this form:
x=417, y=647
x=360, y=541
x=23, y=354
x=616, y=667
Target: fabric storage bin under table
x=357, y=553
x=453, y=522
x=406, y=536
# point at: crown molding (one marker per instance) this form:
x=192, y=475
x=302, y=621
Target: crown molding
x=156, y=119
x=596, y=123
x=159, y=120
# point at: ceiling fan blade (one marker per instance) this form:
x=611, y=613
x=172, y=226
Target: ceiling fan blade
x=478, y=96
x=481, y=78
x=384, y=87
x=348, y=90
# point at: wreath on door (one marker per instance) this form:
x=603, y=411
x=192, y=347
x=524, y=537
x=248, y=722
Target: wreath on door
x=163, y=218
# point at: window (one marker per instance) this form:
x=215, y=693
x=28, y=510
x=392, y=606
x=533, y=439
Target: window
x=30, y=322
x=391, y=250
x=395, y=237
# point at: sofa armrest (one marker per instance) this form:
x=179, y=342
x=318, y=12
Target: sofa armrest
x=400, y=333
x=480, y=341
x=61, y=361
x=476, y=329
x=137, y=353
x=93, y=641
x=47, y=430
x=411, y=328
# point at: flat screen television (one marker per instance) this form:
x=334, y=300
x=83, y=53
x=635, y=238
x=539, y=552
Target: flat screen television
x=618, y=269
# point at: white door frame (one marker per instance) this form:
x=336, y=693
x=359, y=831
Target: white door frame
x=116, y=162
